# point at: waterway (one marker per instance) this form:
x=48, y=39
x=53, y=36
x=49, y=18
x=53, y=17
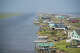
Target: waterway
x=17, y=34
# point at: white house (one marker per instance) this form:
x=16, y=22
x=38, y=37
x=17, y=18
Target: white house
x=74, y=35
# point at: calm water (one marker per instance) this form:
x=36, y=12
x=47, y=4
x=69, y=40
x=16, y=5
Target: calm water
x=17, y=34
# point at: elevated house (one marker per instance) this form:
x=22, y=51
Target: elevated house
x=62, y=16
x=75, y=21
x=36, y=20
x=75, y=34
x=41, y=39
x=46, y=47
x=74, y=37
x=58, y=26
x=51, y=24
x=59, y=16
x=46, y=19
x=43, y=45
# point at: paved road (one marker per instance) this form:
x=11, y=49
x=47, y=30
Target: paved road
x=17, y=34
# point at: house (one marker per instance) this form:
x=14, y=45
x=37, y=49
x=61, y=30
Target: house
x=36, y=21
x=45, y=19
x=42, y=43
x=51, y=25
x=75, y=21
x=60, y=16
x=41, y=39
x=45, y=45
x=75, y=35
x=74, y=38
x=58, y=26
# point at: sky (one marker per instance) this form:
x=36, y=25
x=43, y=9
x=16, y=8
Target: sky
x=26, y=6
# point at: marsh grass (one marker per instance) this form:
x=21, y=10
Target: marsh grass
x=8, y=15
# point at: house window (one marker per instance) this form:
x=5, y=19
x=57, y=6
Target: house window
x=72, y=33
x=78, y=36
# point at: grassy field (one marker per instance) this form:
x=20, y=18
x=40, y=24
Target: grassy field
x=7, y=15
x=62, y=46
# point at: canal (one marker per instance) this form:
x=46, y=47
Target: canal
x=17, y=34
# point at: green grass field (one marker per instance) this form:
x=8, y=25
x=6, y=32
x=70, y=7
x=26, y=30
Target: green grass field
x=7, y=15
x=62, y=46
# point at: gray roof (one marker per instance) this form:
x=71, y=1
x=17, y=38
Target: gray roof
x=78, y=31
x=60, y=26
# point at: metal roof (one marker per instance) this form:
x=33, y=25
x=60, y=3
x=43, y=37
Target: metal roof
x=43, y=44
x=46, y=44
x=59, y=25
x=78, y=32
x=40, y=41
x=42, y=36
x=51, y=44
